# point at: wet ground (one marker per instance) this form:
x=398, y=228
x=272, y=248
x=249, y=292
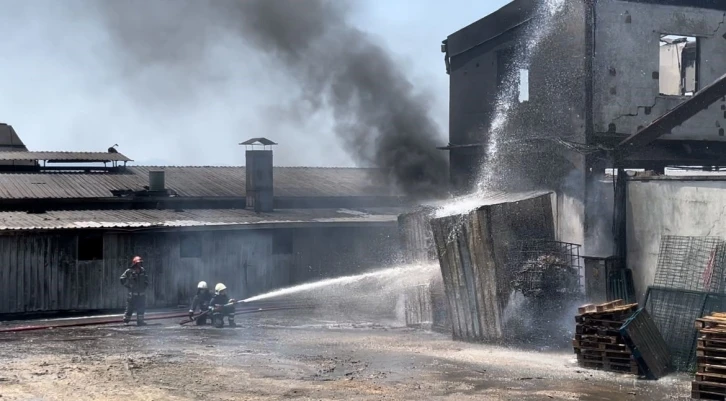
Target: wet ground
x=287, y=355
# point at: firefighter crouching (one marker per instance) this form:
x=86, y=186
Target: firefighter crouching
x=220, y=307
x=201, y=301
x=136, y=280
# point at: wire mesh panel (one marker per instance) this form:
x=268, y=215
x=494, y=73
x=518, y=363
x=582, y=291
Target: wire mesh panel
x=674, y=313
x=691, y=263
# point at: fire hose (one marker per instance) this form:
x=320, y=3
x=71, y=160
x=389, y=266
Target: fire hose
x=81, y=324
x=264, y=307
x=97, y=322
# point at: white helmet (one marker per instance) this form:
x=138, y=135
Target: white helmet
x=202, y=285
x=219, y=288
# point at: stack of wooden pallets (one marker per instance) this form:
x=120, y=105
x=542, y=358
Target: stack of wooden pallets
x=598, y=342
x=710, y=383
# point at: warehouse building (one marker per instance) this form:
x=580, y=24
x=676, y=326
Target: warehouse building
x=70, y=223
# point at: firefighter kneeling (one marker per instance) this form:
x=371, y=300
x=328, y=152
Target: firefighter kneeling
x=220, y=306
x=201, y=301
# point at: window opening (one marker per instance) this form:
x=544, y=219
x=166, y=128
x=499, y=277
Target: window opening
x=677, y=75
x=523, y=85
x=90, y=247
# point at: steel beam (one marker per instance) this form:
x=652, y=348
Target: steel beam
x=673, y=118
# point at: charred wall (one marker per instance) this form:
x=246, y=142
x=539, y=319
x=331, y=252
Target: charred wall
x=42, y=271
x=627, y=69
x=485, y=59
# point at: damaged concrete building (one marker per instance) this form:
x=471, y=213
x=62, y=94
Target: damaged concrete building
x=599, y=73
x=557, y=96
x=70, y=222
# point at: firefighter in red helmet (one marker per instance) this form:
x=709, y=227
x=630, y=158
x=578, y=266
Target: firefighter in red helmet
x=136, y=281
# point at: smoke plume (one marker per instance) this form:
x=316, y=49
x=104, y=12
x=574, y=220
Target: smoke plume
x=378, y=114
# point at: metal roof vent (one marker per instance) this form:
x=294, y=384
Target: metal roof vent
x=258, y=170
x=156, y=181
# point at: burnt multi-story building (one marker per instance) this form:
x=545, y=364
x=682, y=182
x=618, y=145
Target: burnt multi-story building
x=579, y=78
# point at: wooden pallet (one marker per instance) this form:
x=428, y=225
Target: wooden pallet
x=594, y=338
x=600, y=307
x=629, y=368
x=600, y=354
x=706, y=390
x=597, y=331
x=711, y=322
x=711, y=352
x=585, y=345
x=710, y=377
x=616, y=312
x=606, y=357
x=598, y=343
x=706, y=367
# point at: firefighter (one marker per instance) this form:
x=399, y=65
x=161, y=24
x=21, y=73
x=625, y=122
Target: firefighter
x=221, y=305
x=201, y=301
x=136, y=281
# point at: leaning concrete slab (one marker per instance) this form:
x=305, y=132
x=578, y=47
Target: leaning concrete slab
x=474, y=251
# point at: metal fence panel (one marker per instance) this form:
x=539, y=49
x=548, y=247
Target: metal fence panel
x=674, y=312
x=691, y=263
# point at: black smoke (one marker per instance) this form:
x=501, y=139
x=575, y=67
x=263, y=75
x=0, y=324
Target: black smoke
x=378, y=114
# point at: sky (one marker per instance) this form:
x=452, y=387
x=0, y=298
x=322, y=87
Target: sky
x=63, y=85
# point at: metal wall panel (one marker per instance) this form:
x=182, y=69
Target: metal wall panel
x=322, y=253
x=41, y=272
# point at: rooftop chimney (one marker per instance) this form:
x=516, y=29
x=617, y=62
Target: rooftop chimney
x=258, y=162
x=156, y=181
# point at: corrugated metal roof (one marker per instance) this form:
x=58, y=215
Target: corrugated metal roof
x=65, y=156
x=193, y=182
x=72, y=219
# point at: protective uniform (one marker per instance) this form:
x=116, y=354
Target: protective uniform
x=220, y=302
x=201, y=301
x=136, y=280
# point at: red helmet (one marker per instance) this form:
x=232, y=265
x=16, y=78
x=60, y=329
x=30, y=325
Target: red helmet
x=136, y=260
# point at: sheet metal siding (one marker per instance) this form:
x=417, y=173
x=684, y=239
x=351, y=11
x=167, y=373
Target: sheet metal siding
x=41, y=273
x=347, y=251
x=195, y=182
x=474, y=251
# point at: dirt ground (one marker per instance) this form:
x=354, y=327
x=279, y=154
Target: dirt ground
x=287, y=355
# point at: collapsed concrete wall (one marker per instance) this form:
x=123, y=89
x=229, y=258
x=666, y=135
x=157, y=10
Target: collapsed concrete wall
x=658, y=206
x=474, y=251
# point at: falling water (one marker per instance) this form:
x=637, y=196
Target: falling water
x=495, y=160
